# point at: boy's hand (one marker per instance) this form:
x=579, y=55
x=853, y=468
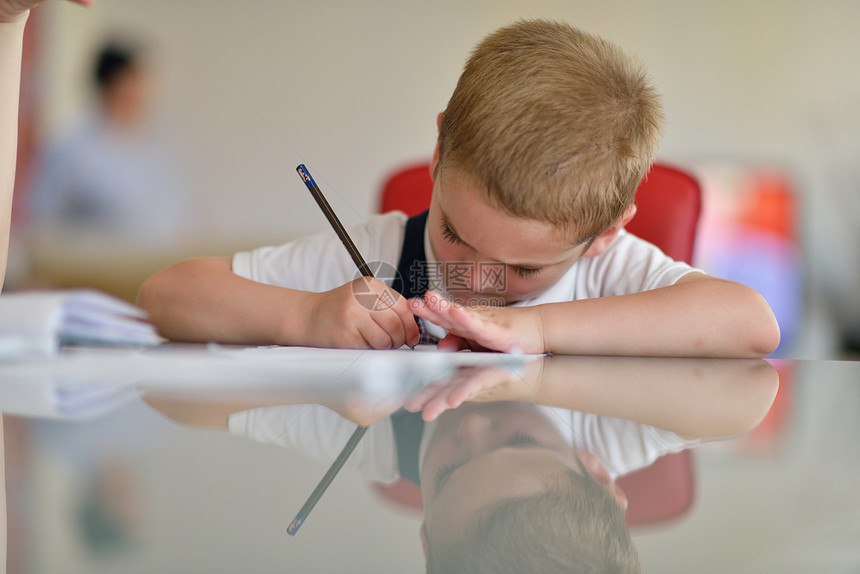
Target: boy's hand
x=14, y=10
x=506, y=329
x=359, y=315
x=476, y=384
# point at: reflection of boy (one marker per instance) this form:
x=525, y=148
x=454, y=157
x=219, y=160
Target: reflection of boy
x=487, y=467
x=540, y=151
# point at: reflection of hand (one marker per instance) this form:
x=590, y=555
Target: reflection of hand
x=362, y=411
x=14, y=10
x=506, y=329
x=359, y=315
x=477, y=384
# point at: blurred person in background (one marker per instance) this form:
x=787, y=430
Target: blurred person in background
x=110, y=177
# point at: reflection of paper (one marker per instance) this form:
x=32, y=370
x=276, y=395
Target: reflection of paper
x=303, y=367
x=80, y=379
x=36, y=323
x=215, y=366
x=49, y=391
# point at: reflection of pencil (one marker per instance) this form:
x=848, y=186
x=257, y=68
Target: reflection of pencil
x=326, y=480
x=335, y=222
x=359, y=432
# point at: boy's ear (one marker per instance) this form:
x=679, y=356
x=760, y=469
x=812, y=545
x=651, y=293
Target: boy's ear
x=436, y=149
x=603, y=240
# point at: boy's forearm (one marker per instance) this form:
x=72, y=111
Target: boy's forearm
x=11, y=45
x=697, y=317
x=202, y=300
x=694, y=398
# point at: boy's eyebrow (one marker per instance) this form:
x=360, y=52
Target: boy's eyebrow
x=529, y=265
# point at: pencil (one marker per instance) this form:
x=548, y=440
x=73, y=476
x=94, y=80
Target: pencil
x=359, y=432
x=333, y=220
x=326, y=480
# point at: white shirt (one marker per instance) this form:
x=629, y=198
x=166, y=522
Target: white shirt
x=320, y=433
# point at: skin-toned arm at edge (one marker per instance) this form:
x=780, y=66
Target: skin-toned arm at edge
x=11, y=44
x=203, y=300
x=13, y=18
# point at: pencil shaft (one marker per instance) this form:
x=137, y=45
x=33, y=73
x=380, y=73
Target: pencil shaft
x=334, y=221
x=326, y=480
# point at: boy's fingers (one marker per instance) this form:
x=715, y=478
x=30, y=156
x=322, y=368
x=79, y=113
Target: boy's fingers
x=452, y=343
x=482, y=380
x=435, y=407
x=404, y=310
x=420, y=397
x=375, y=336
x=390, y=322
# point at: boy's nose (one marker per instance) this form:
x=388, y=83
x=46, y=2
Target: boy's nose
x=474, y=431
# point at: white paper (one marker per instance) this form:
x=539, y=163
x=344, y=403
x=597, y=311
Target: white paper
x=37, y=323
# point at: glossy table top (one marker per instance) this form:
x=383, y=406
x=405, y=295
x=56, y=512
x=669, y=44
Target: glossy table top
x=196, y=459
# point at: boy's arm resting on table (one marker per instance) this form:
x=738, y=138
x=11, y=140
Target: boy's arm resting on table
x=203, y=300
x=699, y=316
x=694, y=398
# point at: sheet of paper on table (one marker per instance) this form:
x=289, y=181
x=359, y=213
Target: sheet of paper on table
x=38, y=323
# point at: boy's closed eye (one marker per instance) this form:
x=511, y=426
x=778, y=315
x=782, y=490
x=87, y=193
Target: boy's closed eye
x=451, y=236
x=519, y=439
x=526, y=272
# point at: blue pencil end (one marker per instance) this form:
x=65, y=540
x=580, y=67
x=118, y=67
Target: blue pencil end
x=296, y=524
x=306, y=176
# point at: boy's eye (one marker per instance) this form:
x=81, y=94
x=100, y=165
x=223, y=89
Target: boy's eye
x=526, y=272
x=521, y=438
x=450, y=235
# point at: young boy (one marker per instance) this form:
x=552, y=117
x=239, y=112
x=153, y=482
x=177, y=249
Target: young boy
x=540, y=151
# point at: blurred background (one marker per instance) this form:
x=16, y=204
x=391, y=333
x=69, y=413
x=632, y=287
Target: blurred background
x=761, y=100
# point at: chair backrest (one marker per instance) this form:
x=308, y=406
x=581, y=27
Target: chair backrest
x=669, y=203
x=407, y=190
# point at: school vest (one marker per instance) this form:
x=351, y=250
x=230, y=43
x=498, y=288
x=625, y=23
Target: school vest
x=410, y=281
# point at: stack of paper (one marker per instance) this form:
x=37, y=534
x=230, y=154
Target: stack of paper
x=37, y=323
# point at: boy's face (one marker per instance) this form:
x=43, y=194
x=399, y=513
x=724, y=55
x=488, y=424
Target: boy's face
x=488, y=256
x=482, y=453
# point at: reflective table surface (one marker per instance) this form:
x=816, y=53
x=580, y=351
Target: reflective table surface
x=197, y=459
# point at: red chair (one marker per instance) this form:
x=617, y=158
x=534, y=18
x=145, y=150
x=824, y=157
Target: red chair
x=669, y=203
x=666, y=195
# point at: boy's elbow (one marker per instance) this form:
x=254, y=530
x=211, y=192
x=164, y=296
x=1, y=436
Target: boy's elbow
x=764, y=335
x=159, y=290
x=147, y=295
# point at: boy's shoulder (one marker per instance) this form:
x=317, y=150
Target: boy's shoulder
x=319, y=261
x=629, y=265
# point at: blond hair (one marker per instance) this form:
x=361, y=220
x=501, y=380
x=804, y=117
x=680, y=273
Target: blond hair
x=553, y=124
x=574, y=526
